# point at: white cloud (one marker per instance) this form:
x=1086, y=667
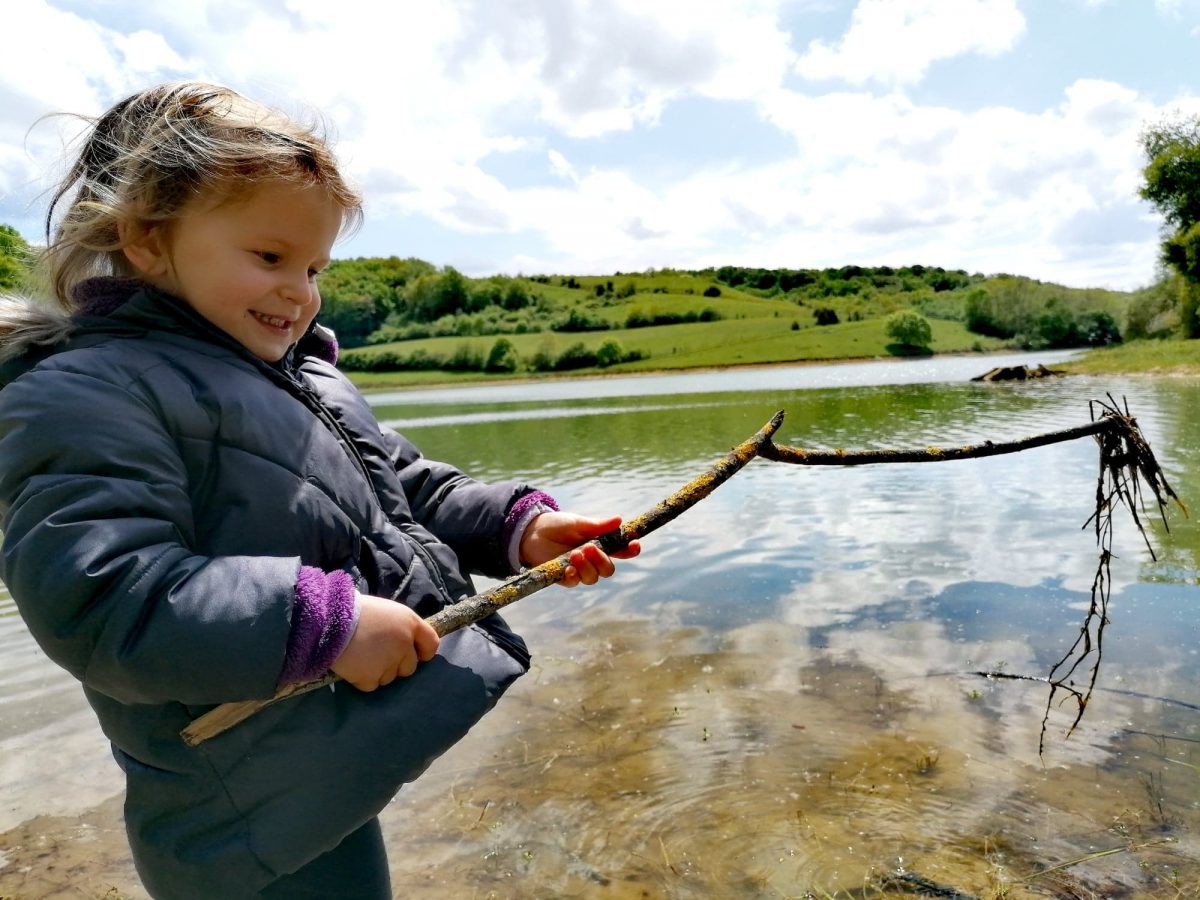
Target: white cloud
x=561, y=167
x=896, y=41
x=884, y=180
x=432, y=100
x=593, y=68
x=56, y=61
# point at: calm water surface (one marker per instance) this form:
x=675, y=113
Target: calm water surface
x=775, y=700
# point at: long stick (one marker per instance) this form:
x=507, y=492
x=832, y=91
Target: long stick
x=472, y=609
x=799, y=457
x=480, y=606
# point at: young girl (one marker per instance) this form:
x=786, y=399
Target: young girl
x=198, y=507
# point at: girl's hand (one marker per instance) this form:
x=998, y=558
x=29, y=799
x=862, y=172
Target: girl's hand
x=387, y=644
x=554, y=533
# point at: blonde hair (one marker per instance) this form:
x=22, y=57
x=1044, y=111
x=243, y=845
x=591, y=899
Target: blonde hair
x=152, y=154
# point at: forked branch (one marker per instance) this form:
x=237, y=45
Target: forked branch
x=1125, y=458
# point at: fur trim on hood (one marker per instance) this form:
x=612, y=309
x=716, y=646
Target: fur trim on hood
x=25, y=323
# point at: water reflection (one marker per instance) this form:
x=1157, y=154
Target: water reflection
x=775, y=698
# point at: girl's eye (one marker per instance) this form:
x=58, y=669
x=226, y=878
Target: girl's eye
x=268, y=257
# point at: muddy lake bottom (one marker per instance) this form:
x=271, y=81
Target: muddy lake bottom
x=639, y=764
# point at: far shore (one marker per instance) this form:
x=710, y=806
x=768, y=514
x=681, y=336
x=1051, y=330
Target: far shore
x=1179, y=358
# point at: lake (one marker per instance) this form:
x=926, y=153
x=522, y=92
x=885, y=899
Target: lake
x=776, y=699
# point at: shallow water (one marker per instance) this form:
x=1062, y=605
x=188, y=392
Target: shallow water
x=775, y=699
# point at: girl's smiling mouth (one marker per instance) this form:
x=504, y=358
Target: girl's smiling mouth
x=272, y=321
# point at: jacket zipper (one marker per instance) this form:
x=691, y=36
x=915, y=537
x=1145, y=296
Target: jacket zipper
x=313, y=402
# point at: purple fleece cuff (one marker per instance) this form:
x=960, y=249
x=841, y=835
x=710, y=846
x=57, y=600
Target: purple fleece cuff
x=519, y=515
x=323, y=621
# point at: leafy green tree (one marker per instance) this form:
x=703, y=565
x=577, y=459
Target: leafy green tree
x=351, y=316
x=1172, y=185
x=579, y=320
x=1151, y=311
x=14, y=259
x=1097, y=329
x=577, y=356
x=909, y=328
x=359, y=295
x=502, y=357
x=609, y=354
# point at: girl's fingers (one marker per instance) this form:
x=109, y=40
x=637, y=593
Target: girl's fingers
x=588, y=564
x=585, y=571
x=602, y=526
x=426, y=641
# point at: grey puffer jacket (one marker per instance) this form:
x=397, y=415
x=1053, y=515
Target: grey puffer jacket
x=160, y=488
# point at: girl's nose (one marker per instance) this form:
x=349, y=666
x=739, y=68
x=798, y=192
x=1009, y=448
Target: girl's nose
x=298, y=290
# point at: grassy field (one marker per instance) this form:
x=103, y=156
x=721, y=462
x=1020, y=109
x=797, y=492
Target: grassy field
x=1166, y=357
x=739, y=326
x=732, y=342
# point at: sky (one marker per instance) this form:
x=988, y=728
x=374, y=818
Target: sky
x=597, y=136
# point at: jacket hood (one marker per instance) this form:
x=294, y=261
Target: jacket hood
x=30, y=330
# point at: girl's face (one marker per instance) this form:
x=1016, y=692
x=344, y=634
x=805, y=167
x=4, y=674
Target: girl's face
x=249, y=265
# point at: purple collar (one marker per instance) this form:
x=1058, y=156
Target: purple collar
x=101, y=296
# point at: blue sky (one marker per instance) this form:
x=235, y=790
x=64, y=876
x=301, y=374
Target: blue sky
x=591, y=136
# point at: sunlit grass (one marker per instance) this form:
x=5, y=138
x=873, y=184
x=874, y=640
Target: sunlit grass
x=1157, y=357
x=698, y=345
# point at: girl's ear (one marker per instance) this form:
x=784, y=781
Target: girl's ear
x=145, y=247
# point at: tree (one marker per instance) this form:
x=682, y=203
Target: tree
x=1172, y=185
x=502, y=357
x=609, y=354
x=14, y=258
x=909, y=328
x=1152, y=310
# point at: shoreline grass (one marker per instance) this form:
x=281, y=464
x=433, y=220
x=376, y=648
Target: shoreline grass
x=742, y=343
x=1148, y=357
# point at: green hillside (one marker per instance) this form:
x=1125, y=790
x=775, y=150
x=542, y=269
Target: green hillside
x=439, y=324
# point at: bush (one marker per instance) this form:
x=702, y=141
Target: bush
x=909, y=328
x=15, y=259
x=542, y=360
x=825, y=316
x=712, y=291
x=639, y=319
x=502, y=357
x=577, y=356
x=465, y=358
x=1098, y=329
x=1150, y=311
x=577, y=321
x=389, y=361
x=609, y=354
